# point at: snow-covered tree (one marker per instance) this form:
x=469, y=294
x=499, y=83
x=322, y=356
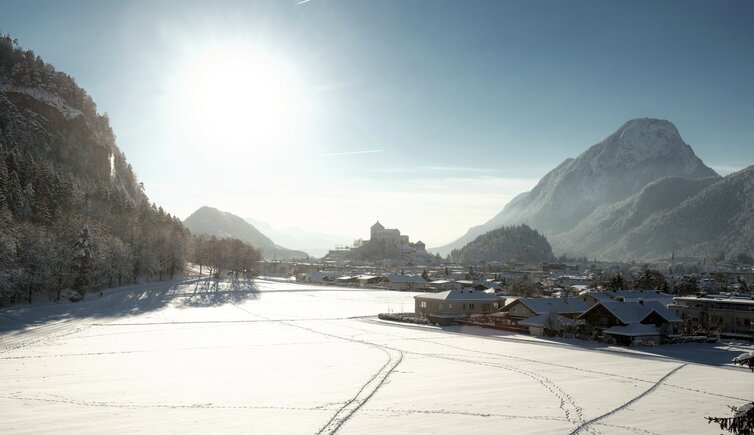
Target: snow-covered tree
x=741, y=422
x=15, y=196
x=83, y=262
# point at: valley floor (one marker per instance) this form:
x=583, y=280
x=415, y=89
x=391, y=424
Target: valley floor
x=194, y=356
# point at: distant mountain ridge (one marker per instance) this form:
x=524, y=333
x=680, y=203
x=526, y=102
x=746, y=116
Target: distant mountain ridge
x=213, y=222
x=626, y=184
x=716, y=219
x=313, y=243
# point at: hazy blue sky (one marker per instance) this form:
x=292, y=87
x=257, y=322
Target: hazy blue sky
x=427, y=115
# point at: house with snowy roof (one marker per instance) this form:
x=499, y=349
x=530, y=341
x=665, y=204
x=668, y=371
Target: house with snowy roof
x=347, y=280
x=368, y=280
x=593, y=297
x=524, y=309
x=448, y=306
x=404, y=282
x=632, y=322
x=556, y=322
x=444, y=284
x=316, y=277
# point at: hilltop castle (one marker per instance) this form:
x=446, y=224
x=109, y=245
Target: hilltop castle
x=385, y=245
x=380, y=232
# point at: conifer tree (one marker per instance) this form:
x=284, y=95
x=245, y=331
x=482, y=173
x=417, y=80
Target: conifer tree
x=14, y=196
x=3, y=177
x=83, y=260
x=28, y=202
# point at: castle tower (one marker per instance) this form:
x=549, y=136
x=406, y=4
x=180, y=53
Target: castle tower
x=376, y=229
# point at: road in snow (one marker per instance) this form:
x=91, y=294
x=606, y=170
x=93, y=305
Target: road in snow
x=191, y=356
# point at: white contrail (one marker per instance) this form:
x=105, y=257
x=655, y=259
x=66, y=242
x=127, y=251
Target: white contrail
x=303, y=1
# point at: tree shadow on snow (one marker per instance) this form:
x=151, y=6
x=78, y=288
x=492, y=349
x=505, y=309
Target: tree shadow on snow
x=127, y=301
x=210, y=293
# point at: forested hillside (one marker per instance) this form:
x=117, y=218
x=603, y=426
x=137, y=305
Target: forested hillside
x=510, y=243
x=72, y=212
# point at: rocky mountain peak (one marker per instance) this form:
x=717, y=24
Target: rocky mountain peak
x=648, y=130
x=641, y=140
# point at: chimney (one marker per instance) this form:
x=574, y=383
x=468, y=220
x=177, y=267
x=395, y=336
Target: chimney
x=641, y=301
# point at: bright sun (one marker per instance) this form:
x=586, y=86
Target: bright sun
x=240, y=99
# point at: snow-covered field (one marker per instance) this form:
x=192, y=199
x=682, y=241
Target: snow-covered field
x=194, y=357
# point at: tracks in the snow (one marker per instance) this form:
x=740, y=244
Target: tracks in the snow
x=586, y=424
x=367, y=390
x=43, y=334
x=572, y=411
x=364, y=394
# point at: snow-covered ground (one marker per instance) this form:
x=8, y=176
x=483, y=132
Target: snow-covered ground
x=190, y=356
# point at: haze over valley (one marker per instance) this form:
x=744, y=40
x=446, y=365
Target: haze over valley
x=328, y=216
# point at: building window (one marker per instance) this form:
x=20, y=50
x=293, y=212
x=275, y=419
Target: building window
x=424, y=304
x=471, y=306
x=450, y=306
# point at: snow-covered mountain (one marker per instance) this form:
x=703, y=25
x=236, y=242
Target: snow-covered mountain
x=718, y=218
x=213, y=222
x=313, y=243
x=611, y=178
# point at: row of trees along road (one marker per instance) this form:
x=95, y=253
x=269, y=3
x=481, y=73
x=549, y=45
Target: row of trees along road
x=224, y=255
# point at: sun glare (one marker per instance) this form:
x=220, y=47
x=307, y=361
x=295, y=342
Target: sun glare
x=240, y=99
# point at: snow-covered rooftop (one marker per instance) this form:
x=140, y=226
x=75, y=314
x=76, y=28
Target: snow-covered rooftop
x=711, y=299
x=635, y=312
x=631, y=295
x=406, y=278
x=556, y=305
x=457, y=295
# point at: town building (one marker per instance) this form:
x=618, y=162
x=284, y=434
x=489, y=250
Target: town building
x=368, y=280
x=633, y=322
x=405, y=282
x=315, y=277
x=734, y=316
x=444, y=284
x=448, y=306
x=593, y=297
x=523, y=309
